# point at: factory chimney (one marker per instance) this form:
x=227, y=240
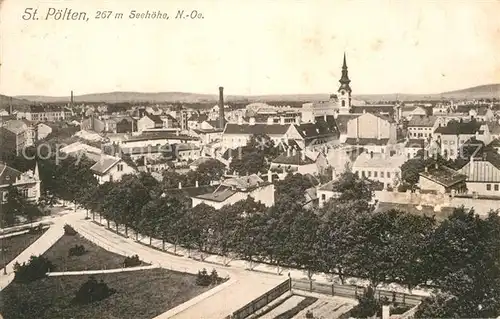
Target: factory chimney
x=71, y=101
x=222, y=121
x=10, y=106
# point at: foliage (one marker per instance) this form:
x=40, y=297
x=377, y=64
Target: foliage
x=205, y=279
x=17, y=206
x=255, y=156
x=368, y=305
x=36, y=230
x=92, y=291
x=36, y=268
x=351, y=187
x=77, y=250
x=69, y=231
x=133, y=261
x=293, y=188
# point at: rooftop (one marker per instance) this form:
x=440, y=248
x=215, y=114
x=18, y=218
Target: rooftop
x=292, y=159
x=422, y=121
x=378, y=160
x=247, y=129
x=367, y=141
x=104, y=164
x=443, y=175
x=456, y=128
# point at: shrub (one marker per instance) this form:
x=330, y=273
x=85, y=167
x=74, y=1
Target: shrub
x=368, y=305
x=68, y=230
x=204, y=279
x=77, y=250
x=92, y=290
x=36, y=268
x=36, y=230
x=133, y=261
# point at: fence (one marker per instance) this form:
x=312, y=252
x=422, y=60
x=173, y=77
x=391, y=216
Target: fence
x=350, y=291
x=262, y=301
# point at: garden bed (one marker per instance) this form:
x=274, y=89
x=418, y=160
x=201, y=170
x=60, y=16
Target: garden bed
x=94, y=258
x=14, y=245
x=139, y=294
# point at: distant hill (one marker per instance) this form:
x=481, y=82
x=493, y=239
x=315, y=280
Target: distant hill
x=17, y=104
x=482, y=91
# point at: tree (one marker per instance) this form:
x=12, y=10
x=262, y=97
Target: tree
x=36, y=268
x=255, y=156
x=92, y=291
x=211, y=170
x=198, y=220
x=351, y=187
x=293, y=188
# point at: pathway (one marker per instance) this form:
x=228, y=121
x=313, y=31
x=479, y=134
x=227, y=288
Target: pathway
x=97, y=272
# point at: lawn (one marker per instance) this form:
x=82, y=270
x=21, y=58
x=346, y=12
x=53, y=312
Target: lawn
x=140, y=294
x=15, y=245
x=95, y=257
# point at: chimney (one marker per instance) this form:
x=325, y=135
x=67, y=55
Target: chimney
x=364, y=111
x=252, y=121
x=222, y=120
x=71, y=100
x=10, y=106
x=426, y=169
x=371, y=154
x=297, y=120
x=240, y=120
x=294, y=152
x=180, y=185
x=436, y=166
x=324, y=117
x=269, y=176
x=303, y=153
x=334, y=174
x=196, y=184
x=378, y=128
x=288, y=152
x=471, y=166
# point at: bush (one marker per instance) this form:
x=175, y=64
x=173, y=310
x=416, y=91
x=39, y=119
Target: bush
x=204, y=279
x=368, y=306
x=92, y=290
x=133, y=261
x=77, y=250
x=70, y=231
x=37, y=268
x=36, y=230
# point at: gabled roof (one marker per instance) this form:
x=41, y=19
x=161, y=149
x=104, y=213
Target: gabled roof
x=273, y=129
x=155, y=118
x=457, y=128
x=296, y=159
x=15, y=126
x=8, y=175
x=415, y=143
x=343, y=119
x=374, y=109
x=104, y=164
x=483, y=169
x=422, y=121
x=494, y=127
x=198, y=117
x=443, y=175
x=367, y=141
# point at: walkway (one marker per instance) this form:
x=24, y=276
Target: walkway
x=41, y=245
x=97, y=272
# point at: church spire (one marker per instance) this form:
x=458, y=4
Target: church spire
x=344, y=80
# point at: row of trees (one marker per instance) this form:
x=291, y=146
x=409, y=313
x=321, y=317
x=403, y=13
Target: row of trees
x=346, y=237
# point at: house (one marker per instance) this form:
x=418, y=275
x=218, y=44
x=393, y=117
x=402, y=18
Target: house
x=237, y=135
x=150, y=152
x=482, y=113
x=42, y=131
x=494, y=128
x=442, y=180
x=196, y=119
x=169, y=121
x=325, y=192
x=158, y=138
x=412, y=147
x=14, y=136
x=381, y=168
x=408, y=112
x=149, y=121
x=483, y=174
x=294, y=161
x=154, y=110
x=93, y=124
x=186, y=151
x=207, y=136
x=235, y=189
x=196, y=163
x=455, y=134
x=315, y=136
x=106, y=168
x=47, y=113
x=27, y=183
x=422, y=127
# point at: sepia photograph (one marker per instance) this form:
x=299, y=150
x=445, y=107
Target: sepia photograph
x=236, y=159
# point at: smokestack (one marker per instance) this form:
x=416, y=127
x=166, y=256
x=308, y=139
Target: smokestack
x=10, y=106
x=222, y=121
x=71, y=101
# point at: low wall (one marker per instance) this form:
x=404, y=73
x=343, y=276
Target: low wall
x=481, y=206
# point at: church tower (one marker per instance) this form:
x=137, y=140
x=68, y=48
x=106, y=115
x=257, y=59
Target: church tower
x=344, y=90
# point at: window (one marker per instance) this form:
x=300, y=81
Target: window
x=369, y=173
x=24, y=192
x=323, y=197
x=488, y=187
x=382, y=173
x=363, y=174
x=496, y=187
x=388, y=174
x=343, y=103
x=374, y=174
x=119, y=167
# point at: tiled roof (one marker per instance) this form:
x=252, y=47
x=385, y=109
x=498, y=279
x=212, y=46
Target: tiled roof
x=494, y=127
x=378, y=160
x=415, y=143
x=367, y=141
x=456, y=128
x=104, y=164
x=292, y=160
x=422, y=121
x=186, y=147
x=319, y=129
x=342, y=121
x=219, y=196
x=495, y=143
x=243, y=182
x=46, y=108
x=155, y=118
x=375, y=109
x=443, y=175
x=15, y=126
x=143, y=150
x=273, y=129
x=8, y=175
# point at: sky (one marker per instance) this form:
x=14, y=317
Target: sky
x=251, y=47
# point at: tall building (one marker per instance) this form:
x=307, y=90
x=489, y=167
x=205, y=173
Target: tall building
x=344, y=90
